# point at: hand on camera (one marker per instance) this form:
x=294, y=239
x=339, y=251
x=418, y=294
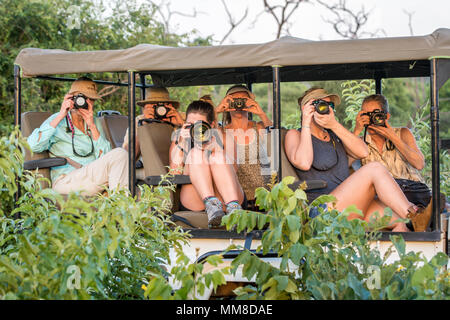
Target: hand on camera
x=253, y=107
x=386, y=132
x=327, y=121
x=224, y=104
x=361, y=121
x=88, y=114
x=307, y=113
x=67, y=105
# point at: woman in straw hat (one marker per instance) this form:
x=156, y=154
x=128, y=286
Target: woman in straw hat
x=321, y=150
x=157, y=98
x=73, y=133
x=244, y=139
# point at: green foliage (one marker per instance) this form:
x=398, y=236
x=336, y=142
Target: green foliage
x=353, y=93
x=104, y=26
x=113, y=243
x=421, y=130
x=329, y=257
x=12, y=149
x=187, y=280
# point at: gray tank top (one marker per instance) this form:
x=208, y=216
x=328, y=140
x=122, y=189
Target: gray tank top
x=330, y=163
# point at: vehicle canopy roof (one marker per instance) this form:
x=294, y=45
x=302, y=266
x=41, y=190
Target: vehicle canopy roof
x=228, y=63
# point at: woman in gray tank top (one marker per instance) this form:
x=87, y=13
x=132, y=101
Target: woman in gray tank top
x=320, y=150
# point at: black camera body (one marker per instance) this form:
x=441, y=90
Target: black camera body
x=80, y=101
x=322, y=106
x=200, y=133
x=160, y=110
x=377, y=118
x=238, y=104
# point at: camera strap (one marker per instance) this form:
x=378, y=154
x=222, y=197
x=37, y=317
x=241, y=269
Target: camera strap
x=88, y=132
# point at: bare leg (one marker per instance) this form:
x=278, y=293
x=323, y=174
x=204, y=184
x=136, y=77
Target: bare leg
x=360, y=188
x=225, y=178
x=377, y=205
x=210, y=177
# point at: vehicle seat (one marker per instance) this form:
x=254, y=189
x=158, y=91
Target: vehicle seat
x=114, y=127
x=29, y=121
x=155, y=140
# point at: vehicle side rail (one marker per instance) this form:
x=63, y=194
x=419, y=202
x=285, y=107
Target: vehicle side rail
x=176, y=179
x=184, y=179
x=44, y=163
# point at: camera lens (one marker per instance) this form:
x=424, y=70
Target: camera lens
x=80, y=102
x=200, y=132
x=161, y=111
x=322, y=107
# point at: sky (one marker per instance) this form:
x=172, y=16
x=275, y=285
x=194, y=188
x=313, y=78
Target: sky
x=387, y=18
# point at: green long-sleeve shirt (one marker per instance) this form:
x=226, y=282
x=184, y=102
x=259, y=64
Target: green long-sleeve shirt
x=59, y=142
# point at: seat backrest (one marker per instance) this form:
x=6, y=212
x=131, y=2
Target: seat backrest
x=155, y=139
x=29, y=121
x=114, y=127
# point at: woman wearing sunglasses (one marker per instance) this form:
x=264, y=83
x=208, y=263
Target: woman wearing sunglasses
x=72, y=133
x=321, y=150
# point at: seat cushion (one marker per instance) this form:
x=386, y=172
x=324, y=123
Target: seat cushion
x=196, y=219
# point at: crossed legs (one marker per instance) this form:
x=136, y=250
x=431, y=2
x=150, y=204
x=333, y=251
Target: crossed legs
x=362, y=186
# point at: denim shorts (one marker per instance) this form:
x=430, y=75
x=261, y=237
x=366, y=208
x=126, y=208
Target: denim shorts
x=314, y=211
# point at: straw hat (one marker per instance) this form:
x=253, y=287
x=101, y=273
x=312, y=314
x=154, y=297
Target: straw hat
x=320, y=94
x=86, y=87
x=240, y=88
x=155, y=95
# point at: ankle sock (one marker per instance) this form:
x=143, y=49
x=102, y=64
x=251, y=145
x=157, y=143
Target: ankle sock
x=233, y=205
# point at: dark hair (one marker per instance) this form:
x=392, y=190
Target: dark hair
x=380, y=99
x=84, y=79
x=202, y=107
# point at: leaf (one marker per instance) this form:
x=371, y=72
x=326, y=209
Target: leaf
x=282, y=282
x=421, y=276
x=293, y=223
x=399, y=244
x=297, y=252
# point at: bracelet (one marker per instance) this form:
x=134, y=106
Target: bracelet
x=306, y=127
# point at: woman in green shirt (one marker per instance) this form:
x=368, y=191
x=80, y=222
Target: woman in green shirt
x=73, y=133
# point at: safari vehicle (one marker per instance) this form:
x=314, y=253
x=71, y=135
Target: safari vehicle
x=287, y=59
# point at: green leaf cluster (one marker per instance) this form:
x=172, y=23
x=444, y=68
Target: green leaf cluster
x=116, y=242
x=329, y=257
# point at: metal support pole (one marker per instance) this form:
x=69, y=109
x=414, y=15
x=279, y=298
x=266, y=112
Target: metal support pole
x=17, y=115
x=143, y=86
x=132, y=132
x=276, y=112
x=249, y=86
x=434, y=116
x=378, y=84
x=17, y=96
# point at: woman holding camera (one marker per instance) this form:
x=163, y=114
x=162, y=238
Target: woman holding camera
x=396, y=149
x=73, y=133
x=245, y=139
x=321, y=150
x=199, y=154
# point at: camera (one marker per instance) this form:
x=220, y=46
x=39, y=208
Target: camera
x=377, y=118
x=160, y=110
x=322, y=106
x=80, y=101
x=200, y=132
x=238, y=104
